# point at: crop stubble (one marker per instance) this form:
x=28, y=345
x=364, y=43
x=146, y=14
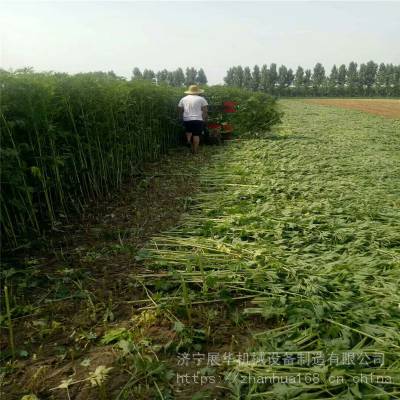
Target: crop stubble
x=308, y=222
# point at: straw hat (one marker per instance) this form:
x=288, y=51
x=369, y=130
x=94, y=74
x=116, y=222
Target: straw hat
x=194, y=89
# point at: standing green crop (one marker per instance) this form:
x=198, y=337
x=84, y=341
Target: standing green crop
x=69, y=139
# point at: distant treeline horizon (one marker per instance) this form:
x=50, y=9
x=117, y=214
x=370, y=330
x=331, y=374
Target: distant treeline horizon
x=367, y=79
x=176, y=78
x=354, y=80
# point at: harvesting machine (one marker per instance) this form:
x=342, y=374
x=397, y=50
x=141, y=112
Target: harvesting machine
x=218, y=125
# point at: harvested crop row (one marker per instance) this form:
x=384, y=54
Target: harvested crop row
x=307, y=224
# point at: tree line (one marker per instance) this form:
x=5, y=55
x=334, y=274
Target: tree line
x=175, y=78
x=367, y=79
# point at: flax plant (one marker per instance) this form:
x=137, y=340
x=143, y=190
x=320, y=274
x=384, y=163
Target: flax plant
x=70, y=139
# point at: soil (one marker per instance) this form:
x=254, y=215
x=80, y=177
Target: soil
x=382, y=107
x=77, y=286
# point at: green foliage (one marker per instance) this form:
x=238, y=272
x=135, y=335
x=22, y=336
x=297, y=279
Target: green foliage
x=256, y=112
x=256, y=77
x=69, y=139
x=318, y=74
x=366, y=80
x=115, y=335
x=201, y=78
x=247, y=78
x=191, y=76
x=257, y=115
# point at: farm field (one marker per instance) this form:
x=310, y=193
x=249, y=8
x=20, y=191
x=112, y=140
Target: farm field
x=279, y=280
x=383, y=107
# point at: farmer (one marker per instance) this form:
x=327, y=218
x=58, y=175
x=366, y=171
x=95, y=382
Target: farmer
x=193, y=112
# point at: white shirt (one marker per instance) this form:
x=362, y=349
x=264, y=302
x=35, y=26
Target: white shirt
x=192, y=107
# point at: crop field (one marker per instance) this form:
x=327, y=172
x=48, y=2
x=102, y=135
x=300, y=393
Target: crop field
x=280, y=279
x=383, y=107
x=299, y=236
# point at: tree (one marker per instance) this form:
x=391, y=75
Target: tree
x=201, y=78
x=381, y=80
x=318, y=80
x=333, y=82
x=390, y=80
x=362, y=77
x=307, y=77
x=352, y=78
x=368, y=75
x=239, y=76
x=289, y=77
x=381, y=75
x=396, y=81
x=230, y=77
x=178, y=78
x=191, y=75
x=247, y=79
x=148, y=74
x=307, y=82
x=170, y=78
x=368, y=79
x=299, y=81
x=299, y=77
x=334, y=76
x=318, y=77
x=342, y=75
x=264, y=78
x=162, y=76
x=256, y=78
x=273, y=77
x=282, y=76
x=390, y=74
x=136, y=74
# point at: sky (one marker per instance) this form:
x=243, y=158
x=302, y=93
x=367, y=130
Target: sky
x=77, y=36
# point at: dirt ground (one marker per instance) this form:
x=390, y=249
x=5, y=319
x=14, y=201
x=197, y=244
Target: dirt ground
x=98, y=253
x=383, y=107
